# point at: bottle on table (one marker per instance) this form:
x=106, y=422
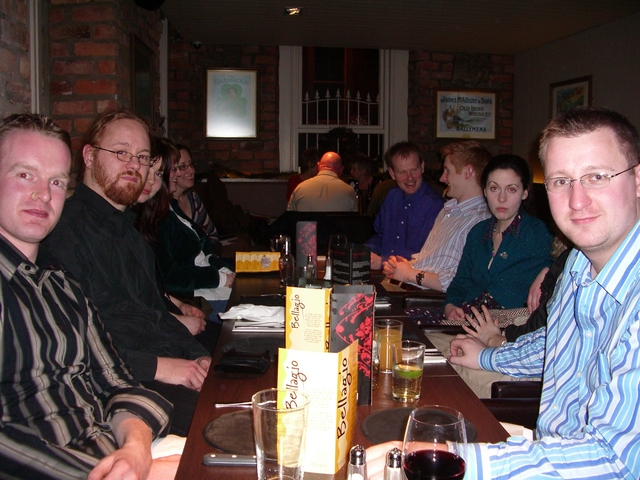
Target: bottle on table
x=287, y=264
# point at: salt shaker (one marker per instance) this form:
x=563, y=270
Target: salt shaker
x=357, y=468
x=393, y=465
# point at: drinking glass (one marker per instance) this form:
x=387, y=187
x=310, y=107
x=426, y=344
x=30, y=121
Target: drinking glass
x=276, y=243
x=386, y=333
x=335, y=240
x=408, y=360
x=435, y=444
x=280, y=427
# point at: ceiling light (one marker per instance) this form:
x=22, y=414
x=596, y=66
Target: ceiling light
x=292, y=10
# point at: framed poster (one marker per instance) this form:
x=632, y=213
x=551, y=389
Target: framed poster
x=465, y=114
x=232, y=104
x=564, y=96
x=142, y=91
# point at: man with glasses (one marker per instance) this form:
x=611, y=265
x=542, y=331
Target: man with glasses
x=589, y=353
x=96, y=241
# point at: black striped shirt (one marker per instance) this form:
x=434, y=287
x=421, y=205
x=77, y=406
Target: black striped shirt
x=61, y=378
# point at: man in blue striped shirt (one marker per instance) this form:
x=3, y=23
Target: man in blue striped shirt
x=589, y=354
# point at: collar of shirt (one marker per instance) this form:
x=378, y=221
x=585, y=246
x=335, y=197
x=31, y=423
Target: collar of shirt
x=512, y=229
x=102, y=209
x=470, y=205
x=619, y=273
x=329, y=173
x=12, y=260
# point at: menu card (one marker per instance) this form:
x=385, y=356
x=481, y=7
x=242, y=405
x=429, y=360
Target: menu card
x=306, y=243
x=307, y=314
x=351, y=264
x=352, y=316
x=331, y=381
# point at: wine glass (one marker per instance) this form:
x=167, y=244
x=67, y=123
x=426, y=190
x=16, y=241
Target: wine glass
x=435, y=444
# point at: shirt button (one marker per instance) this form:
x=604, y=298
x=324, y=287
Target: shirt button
x=555, y=407
x=589, y=335
x=579, y=374
x=401, y=223
x=398, y=236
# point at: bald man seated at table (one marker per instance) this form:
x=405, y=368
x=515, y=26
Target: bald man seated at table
x=325, y=192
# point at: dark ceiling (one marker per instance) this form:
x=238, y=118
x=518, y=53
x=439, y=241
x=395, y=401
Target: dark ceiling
x=475, y=26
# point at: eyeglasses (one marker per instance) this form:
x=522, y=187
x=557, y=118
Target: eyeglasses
x=126, y=157
x=590, y=180
x=183, y=166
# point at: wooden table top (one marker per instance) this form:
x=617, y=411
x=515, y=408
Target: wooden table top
x=441, y=385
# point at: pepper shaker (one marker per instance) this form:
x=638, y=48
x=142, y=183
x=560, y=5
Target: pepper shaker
x=393, y=466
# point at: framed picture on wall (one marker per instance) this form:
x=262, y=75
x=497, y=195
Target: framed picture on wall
x=465, y=114
x=232, y=104
x=142, y=88
x=564, y=96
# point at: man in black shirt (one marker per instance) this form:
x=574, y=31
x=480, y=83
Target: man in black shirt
x=96, y=241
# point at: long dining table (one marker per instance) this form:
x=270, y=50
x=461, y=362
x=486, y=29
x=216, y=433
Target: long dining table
x=441, y=385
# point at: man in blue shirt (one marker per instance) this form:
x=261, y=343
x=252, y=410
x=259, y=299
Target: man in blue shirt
x=588, y=355
x=409, y=211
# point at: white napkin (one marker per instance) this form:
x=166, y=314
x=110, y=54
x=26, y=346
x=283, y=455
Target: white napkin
x=169, y=445
x=259, y=314
x=517, y=430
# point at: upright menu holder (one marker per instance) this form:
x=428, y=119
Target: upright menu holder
x=307, y=318
x=306, y=243
x=352, y=316
x=331, y=381
x=351, y=264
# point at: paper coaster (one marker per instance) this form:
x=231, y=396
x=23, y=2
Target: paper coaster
x=232, y=433
x=387, y=425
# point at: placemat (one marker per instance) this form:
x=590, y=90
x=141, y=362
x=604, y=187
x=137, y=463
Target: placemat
x=387, y=425
x=232, y=433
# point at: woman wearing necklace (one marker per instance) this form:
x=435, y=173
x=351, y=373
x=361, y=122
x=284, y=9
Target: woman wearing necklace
x=504, y=254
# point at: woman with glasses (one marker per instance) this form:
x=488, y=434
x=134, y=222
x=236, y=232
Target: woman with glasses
x=187, y=202
x=184, y=253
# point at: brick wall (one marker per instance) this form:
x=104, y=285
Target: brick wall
x=187, y=105
x=15, y=91
x=90, y=49
x=429, y=71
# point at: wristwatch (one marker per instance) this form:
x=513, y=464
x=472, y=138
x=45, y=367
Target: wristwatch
x=419, y=278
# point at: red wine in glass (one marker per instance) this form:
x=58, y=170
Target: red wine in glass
x=433, y=465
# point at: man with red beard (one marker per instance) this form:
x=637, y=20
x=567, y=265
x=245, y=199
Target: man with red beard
x=96, y=241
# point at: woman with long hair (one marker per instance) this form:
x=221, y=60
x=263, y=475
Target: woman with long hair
x=503, y=254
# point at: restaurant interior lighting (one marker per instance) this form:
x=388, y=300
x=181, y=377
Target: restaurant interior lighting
x=292, y=10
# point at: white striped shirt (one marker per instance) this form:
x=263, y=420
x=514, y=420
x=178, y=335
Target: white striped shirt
x=589, y=425
x=442, y=250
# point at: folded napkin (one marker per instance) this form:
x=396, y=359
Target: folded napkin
x=255, y=313
x=169, y=445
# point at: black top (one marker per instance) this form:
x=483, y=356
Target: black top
x=99, y=245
